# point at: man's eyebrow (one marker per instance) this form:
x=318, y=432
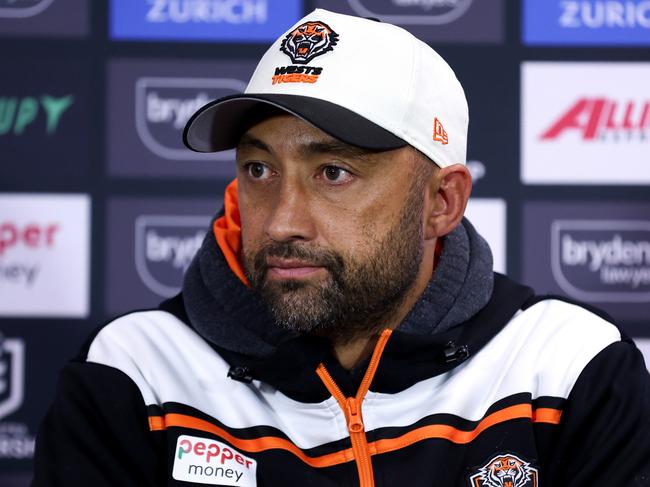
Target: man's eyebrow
x=336, y=147
x=248, y=140
x=332, y=146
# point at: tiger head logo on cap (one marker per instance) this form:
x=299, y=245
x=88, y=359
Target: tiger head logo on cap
x=309, y=40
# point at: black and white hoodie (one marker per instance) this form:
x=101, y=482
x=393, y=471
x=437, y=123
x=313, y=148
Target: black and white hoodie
x=483, y=385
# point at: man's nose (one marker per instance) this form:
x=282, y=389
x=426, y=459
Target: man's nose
x=290, y=217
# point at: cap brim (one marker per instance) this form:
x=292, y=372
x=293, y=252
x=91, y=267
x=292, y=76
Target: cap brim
x=218, y=125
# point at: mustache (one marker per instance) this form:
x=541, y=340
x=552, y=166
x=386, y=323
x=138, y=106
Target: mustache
x=316, y=256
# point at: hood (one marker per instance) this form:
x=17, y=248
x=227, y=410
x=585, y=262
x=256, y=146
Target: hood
x=459, y=311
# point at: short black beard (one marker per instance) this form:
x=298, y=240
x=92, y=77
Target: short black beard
x=358, y=298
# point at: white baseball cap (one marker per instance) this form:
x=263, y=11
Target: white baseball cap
x=367, y=83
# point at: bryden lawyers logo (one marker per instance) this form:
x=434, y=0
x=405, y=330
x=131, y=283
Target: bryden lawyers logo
x=12, y=375
x=602, y=118
x=164, y=247
x=23, y=8
x=505, y=470
x=412, y=12
x=602, y=260
x=165, y=104
x=19, y=114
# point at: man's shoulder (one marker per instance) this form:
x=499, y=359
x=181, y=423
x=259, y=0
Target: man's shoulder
x=551, y=340
x=157, y=350
x=563, y=307
x=135, y=328
x=538, y=322
x=135, y=332
x=555, y=319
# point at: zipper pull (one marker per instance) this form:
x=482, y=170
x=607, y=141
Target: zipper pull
x=355, y=423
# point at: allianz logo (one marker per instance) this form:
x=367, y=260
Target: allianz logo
x=164, y=248
x=23, y=8
x=602, y=260
x=412, y=12
x=208, y=11
x=163, y=105
x=604, y=14
x=603, y=118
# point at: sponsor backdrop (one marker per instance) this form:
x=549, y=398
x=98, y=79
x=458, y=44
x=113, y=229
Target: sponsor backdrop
x=149, y=103
x=590, y=22
x=572, y=131
x=44, y=18
x=102, y=208
x=150, y=244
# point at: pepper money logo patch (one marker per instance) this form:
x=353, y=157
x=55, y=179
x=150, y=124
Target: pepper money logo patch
x=309, y=40
x=505, y=470
x=206, y=461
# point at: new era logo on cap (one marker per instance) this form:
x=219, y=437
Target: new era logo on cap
x=439, y=132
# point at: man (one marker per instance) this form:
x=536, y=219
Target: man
x=341, y=324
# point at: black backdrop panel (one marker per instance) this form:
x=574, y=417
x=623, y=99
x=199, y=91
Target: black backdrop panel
x=28, y=351
x=149, y=103
x=460, y=21
x=593, y=252
x=44, y=119
x=150, y=244
x=26, y=18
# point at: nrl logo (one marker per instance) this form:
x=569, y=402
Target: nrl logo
x=12, y=370
x=505, y=470
x=309, y=40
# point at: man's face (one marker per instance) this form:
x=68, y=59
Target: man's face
x=332, y=234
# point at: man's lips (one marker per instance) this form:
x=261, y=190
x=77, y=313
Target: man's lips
x=290, y=268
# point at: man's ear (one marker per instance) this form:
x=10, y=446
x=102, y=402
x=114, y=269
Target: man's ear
x=448, y=192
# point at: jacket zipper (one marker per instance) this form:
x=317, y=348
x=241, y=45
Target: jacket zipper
x=351, y=407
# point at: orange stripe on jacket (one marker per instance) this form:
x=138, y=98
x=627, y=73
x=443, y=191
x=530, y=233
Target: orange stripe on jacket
x=253, y=445
x=434, y=431
x=455, y=435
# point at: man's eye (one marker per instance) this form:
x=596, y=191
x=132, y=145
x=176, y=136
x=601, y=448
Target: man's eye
x=257, y=170
x=336, y=174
